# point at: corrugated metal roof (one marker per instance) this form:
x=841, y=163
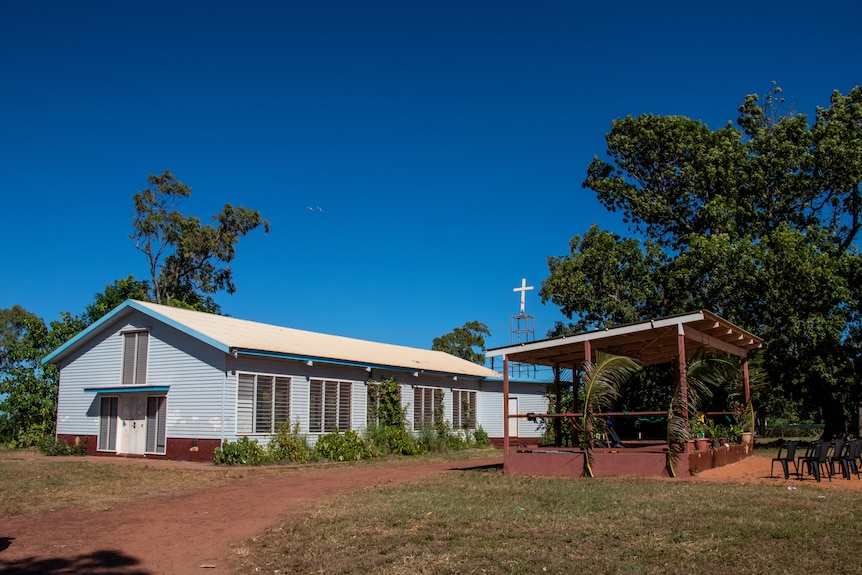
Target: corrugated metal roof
x=249, y=336
x=649, y=342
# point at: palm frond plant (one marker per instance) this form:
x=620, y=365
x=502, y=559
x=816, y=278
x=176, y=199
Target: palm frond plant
x=601, y=385
x=702, y=375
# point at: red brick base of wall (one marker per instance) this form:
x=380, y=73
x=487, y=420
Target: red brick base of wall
x=644, y=462
x=178, y=448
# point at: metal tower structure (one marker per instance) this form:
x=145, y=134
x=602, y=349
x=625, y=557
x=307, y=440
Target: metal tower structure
x=523, y=329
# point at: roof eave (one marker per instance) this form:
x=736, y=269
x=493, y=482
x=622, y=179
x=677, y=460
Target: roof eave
x=365, y=365
x=595, y=334
x=58, y=354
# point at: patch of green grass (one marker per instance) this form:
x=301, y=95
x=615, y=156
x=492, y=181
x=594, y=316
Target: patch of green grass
x=486, y=522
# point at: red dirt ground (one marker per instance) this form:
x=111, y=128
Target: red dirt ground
x=195, y=533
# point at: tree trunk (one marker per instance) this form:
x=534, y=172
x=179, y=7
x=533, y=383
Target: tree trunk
x=833, y=417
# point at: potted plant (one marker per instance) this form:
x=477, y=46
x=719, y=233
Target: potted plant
x=697, y=425
x=743, y=415
x=722, y=433
x=713, y=432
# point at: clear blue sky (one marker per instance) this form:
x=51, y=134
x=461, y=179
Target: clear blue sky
x=446, y=142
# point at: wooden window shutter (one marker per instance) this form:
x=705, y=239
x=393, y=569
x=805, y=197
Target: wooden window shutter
x=129, y=349
x=282, y=400
x=245, y=403
x=330, y=398
x=108, y=424
x=141, y=348
x=263, y=405
x=428, y=407
x=315, y=406
x=344, y=404
x=135, y=346
x=156, y=411
x=417, y=408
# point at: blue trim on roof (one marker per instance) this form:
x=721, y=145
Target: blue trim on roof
x=351, y=363
x=183, y=328
x=127, y=389
x=84, y=334
x=60, y=351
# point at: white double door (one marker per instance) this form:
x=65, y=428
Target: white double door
x=132, y=423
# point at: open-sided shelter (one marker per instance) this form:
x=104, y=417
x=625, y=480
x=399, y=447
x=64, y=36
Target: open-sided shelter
x=672, y=339
x=158, y=381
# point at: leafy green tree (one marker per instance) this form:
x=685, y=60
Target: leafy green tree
x=757, y=223
x=600, y=281
x=29, y=389
x=467, y=342
x=12, y=328
x=115, y=294
x=188, y=261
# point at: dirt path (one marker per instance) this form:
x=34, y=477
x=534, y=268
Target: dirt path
x=756, y=470
x=196, y=533
x=186, y=534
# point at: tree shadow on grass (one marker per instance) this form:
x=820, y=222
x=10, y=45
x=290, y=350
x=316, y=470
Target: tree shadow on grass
x=107, y=562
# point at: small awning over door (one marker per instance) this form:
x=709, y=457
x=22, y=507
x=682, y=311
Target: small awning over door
x=128, y=389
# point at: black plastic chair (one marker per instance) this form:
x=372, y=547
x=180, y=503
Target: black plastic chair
x=800, y=459
x=839, y=455
x=818, y=460
x=852, y=453
x=857, y=460
x=789, y=449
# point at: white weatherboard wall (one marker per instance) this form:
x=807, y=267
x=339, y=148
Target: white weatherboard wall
x=202, y=382
x=489, y=400
x=531, y=398
x=193, y=370
x=300, y=375
x=97, y=365
x=195, y=373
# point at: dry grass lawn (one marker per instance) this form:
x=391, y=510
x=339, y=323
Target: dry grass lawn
x=483, y=521
x=31, y=485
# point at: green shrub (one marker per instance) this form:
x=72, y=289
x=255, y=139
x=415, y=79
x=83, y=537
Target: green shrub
x=391, y=440
x=481, y=439
x=441, y=438
x=377, y=439
x=347, y=446
x=243, y=451
x=34, y=436
x=54, y=447
x=401, y=442
x=458, y=440
x=384, y=403
x=432, y=440
x=288, y=445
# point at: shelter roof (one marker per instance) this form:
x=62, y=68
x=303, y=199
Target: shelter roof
x=238, y=336
x=649, y=342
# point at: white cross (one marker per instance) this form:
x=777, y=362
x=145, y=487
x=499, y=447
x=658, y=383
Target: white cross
x=523, y=289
